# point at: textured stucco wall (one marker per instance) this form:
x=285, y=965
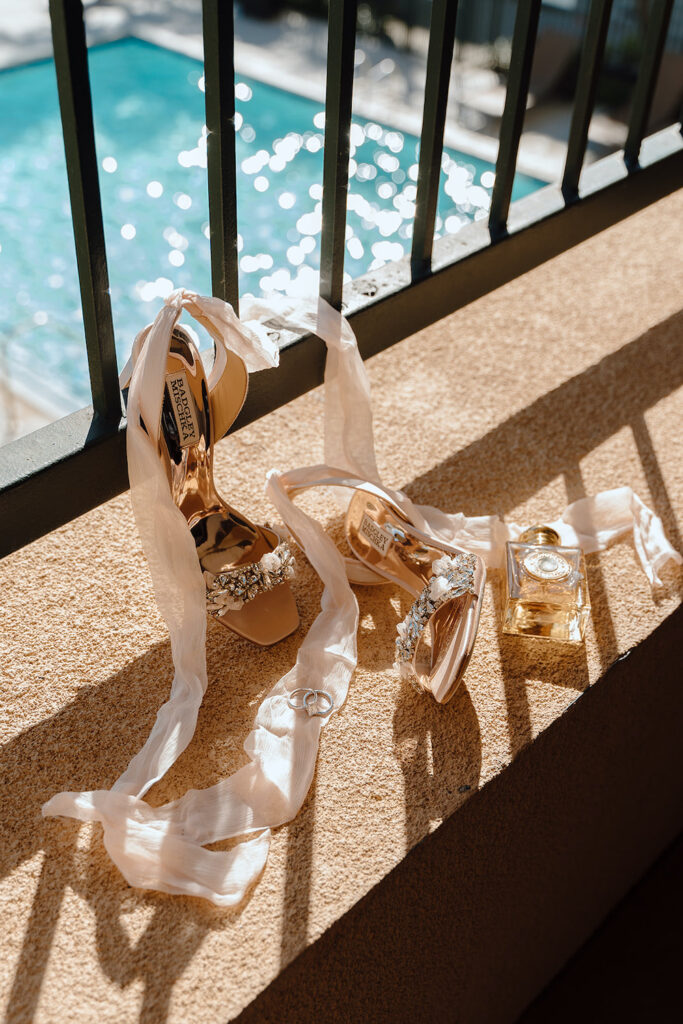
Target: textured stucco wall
x=564, y=382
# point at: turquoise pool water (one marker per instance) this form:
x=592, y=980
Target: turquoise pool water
x=149, y=117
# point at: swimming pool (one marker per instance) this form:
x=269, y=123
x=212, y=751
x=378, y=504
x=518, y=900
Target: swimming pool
x=149, y=119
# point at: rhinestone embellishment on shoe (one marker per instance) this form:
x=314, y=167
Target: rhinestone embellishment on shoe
x=230, y=590
x=452, y=576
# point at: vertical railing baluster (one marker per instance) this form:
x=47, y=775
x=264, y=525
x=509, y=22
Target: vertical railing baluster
x=650, y=63
x=341, y=42
x=592, y=53
x=519, y=76
x=219, y=87
x=73, y=84
x=439, y=61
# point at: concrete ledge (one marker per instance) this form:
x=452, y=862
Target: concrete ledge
x=447, y=860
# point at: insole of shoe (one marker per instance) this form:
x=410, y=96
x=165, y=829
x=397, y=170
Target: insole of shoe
x=224, y=538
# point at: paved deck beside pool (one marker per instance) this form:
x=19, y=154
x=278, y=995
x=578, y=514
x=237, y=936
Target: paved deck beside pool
x=566, y=381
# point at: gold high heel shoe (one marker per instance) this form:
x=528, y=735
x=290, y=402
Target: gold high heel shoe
x=436, y=638
x=245, y=566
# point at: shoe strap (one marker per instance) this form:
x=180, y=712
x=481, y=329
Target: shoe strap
x=231, y=589
x=297, y=481
x=236, y=346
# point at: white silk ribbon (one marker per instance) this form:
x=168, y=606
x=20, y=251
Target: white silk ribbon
x=163, y=848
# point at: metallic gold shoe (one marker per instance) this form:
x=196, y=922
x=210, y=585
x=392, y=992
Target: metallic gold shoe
x=245, y=566
x=436, y=638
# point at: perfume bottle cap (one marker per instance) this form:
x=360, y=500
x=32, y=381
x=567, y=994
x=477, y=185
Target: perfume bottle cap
x=540, y=535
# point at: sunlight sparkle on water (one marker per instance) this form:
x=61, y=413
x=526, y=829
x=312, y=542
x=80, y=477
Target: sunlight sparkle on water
x=310, y=223
x=256, y=163
x=355, y=248
x=295, y=255
x=250, y=264
x=357, y=135
x=175, y=239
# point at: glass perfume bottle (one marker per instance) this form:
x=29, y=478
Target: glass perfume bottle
x=546, y=594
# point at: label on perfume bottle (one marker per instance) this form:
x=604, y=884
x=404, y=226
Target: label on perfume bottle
x=183, y=408
x=547, y=565
x=376, y=537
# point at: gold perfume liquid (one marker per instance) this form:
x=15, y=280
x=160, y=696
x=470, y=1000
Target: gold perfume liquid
x=546, y=594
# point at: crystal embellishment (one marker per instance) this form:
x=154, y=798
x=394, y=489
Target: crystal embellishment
x=232, y=589
x=453, y=575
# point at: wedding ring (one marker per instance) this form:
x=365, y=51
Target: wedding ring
x=292, y=702
x=310, y=701
x=313, y=698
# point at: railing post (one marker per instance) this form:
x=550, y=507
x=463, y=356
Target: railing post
x=341, y=42
x=584, y=101
x=439, y=61
x=650, y=63
x=519, y=76
x=73, y=84
x=219, y=88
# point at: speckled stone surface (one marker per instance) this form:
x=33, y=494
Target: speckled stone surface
x=564, y=382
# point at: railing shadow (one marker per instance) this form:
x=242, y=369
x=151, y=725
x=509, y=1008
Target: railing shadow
x=67, y=752
x=514, y=461
x=549, y=438
x=297, y=889
x=439, y=753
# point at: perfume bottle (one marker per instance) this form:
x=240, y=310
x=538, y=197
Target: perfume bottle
x=546, y=594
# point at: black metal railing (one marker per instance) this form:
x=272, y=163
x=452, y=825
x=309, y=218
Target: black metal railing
x=586, y=89
x=73, y=85
x=62, y=470
x=219, y=76
x=439, y=61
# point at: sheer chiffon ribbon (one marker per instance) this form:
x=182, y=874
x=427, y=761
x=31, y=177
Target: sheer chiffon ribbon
x=164, y=848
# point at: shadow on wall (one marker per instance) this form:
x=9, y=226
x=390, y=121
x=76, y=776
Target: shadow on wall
x=555, y=433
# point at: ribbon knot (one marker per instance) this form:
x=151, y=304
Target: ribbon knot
x=180, y=298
